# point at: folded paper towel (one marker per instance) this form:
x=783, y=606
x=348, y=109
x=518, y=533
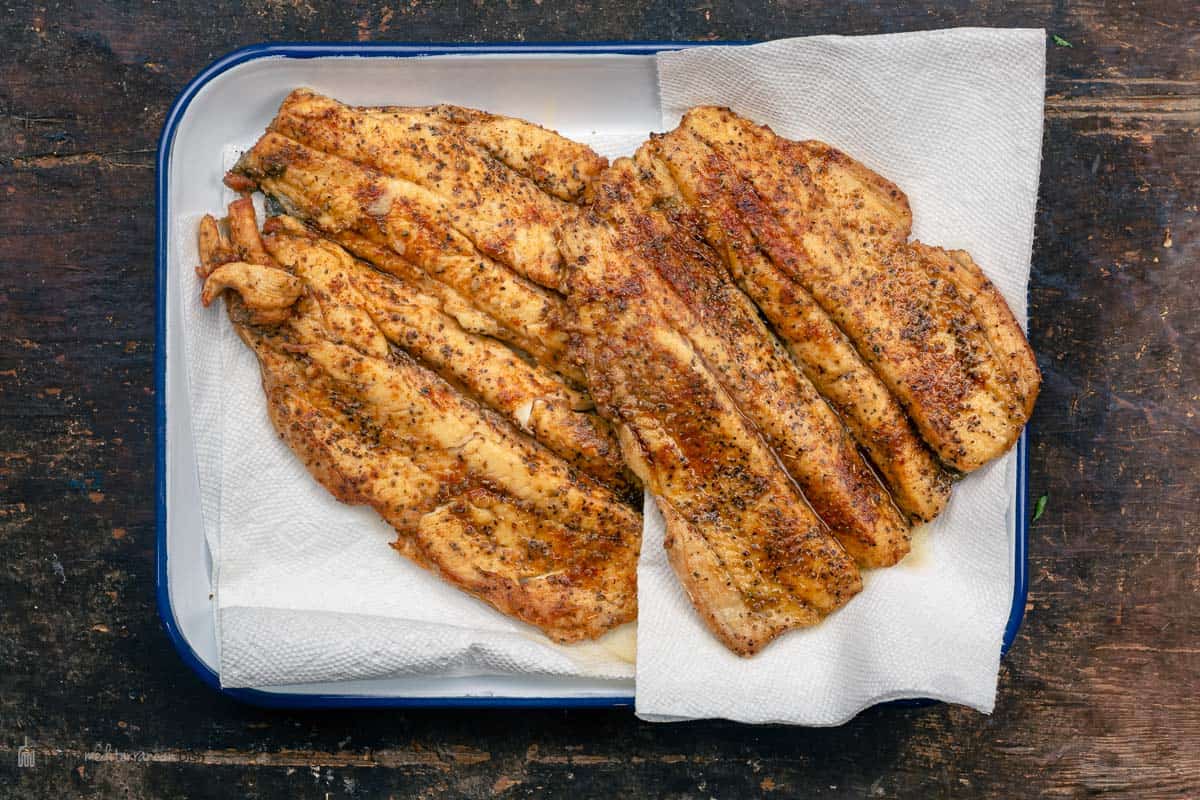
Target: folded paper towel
x=955, y=119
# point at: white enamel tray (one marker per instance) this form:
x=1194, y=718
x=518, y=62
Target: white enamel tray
x=576, y=89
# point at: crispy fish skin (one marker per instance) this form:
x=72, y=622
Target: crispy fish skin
x=874, y=417
x=752, y=367
x=916, y=332
x=338, y=197
x=505, y=215
x=752, y=555
x=471, y=499
x=367, y=309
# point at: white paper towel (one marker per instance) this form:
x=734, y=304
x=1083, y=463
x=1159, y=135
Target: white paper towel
x=954, y=117
x=308, y=589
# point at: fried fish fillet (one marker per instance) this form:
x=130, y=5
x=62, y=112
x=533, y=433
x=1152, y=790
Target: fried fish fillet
x=723, y=326
x=933, y=348
x=451, y=301
x=878, y=208
x=874, y=204
x=504, y=214
x=471, y=498
x=366, y=209
x=872, y=414
x=558, y=165
x=367, y=309
x=1003, y=332
x=412, y=407
x=754, y=558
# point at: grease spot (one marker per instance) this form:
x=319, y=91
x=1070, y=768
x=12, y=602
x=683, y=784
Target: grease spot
x=920, y=554
x=621, y=642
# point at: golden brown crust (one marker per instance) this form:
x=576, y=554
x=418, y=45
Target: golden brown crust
x=870, y=412
x=471, y=498
x=877, y=204
x=916, y=333
x=759, y=375
x=766, y=563
x=1003, y=332
x=367, y=309
x=413, y=408
x=505, y=215
x=558, y=165
x=742, y=625
x=450, y=300
x=339, y=197
x=570, y=585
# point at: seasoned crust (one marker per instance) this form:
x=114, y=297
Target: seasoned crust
x=469, y=496
x=928, y=345
x=739, y=522
x=708, y=184
x=640, y=198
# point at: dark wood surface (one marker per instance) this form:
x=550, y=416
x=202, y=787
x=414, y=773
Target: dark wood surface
x=1099, y=695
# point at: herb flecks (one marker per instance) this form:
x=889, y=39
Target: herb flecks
x=1060, y=41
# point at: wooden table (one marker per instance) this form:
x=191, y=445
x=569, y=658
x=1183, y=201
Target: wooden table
x=1099, y=694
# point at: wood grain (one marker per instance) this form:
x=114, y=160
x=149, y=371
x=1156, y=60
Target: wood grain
x=1098, y=696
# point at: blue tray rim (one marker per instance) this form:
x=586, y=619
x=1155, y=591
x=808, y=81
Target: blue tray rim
x=270, y=699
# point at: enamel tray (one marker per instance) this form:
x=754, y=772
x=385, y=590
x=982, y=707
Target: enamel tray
x=577, y=88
